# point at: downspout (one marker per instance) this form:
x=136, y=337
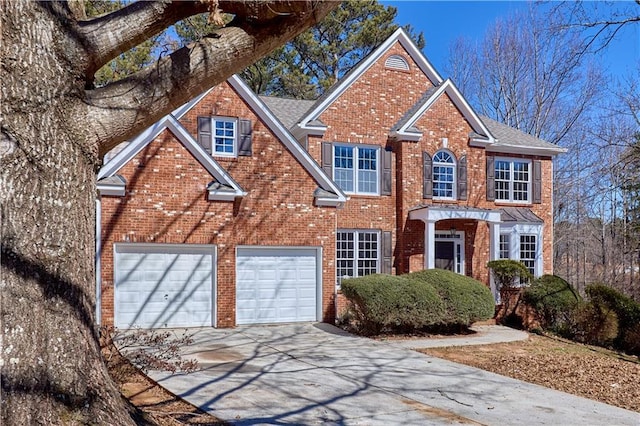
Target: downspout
x=97, y=261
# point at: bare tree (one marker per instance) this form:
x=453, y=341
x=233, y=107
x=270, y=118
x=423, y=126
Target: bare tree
x=527, y=75
x=53, y=129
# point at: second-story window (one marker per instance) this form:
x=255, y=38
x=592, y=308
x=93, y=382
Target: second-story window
x=444, y=175
x=513, y=180
x=224, y=136
x=355, y=169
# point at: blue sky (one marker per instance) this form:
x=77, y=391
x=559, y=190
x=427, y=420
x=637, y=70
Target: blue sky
x=444, y=21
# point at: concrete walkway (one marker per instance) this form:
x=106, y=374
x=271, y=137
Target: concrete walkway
x=306, y=374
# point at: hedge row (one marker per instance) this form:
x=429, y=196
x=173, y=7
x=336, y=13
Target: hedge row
x=606, y=318
x=432, y=299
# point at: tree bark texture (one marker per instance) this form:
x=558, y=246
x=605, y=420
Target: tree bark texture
x=52, y=131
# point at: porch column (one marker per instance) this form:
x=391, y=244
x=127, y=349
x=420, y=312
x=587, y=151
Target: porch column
x=429, y=244
x=494, y=237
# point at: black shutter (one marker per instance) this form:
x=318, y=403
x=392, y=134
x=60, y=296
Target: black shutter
x=244, y=138
x=462, y=178
x=385, y=176
x=327, y=158
x=204, y=133
x=427, y=178
x=491, y=179
x=537, y=182
x=387, y=252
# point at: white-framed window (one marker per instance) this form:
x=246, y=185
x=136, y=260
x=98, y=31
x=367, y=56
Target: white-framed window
x=357, y=253
x=513, y=180
x=528, y=252
x=356, y=168
x=504, y=246
x=522, y=242
x=224, y=140
x=444, y=176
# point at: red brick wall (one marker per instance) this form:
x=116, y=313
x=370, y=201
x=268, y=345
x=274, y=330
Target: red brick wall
x=364, y=113
x=166, y=203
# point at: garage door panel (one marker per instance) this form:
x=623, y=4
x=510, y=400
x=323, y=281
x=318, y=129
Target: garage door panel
x=276, y=285
x=160, y=285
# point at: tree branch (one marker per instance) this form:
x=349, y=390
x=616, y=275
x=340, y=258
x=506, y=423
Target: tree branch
x=122, y=109
x=105, y=37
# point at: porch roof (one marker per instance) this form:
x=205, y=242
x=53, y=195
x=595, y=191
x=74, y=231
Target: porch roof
x=434, y=213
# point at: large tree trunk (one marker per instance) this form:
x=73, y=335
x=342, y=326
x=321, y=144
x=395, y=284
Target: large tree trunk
x=52, y=128
x=52, y=371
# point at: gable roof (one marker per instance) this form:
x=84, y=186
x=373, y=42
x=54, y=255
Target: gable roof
x=331, y=195
x=405, y=128
x=310, y=124
x=224, y=188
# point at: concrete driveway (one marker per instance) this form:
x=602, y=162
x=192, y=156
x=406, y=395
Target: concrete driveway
x=308, y=374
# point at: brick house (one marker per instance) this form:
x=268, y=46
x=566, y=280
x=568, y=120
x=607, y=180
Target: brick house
x=240, y=209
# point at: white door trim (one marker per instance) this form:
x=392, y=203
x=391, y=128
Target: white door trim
x=458, y=240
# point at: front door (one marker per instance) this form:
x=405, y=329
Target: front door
x=449, y=251
x=445, y=255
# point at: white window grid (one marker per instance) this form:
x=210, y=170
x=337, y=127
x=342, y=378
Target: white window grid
x=356, y=169
x=444, y=172
x=504, y=246
x=225, y=131
x=528, y=249
x=512, y=180
x=357, y=253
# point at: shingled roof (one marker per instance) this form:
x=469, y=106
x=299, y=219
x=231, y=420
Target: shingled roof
x=287, y=110
x=508, y=137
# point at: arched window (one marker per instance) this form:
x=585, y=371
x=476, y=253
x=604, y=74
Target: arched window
x=444, y=175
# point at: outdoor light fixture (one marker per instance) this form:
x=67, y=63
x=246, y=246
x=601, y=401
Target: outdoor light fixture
x=452, y=231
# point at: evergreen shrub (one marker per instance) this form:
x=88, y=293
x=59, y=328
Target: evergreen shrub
x=554, y=300
x=465, y=300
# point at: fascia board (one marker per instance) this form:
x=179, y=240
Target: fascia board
x=111, y=190
x=460, y=102
x=202, y=156
x=130, y=151
x=519, y=149
x=169, y=122
x=285, y=137
x=400, y=36
x=405, y=136
x=179, y=112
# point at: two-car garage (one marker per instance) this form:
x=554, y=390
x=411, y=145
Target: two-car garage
x=174, y=285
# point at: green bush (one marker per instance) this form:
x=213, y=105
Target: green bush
x=627, y=310
x=465, y=300
x=509, y=273
x=593, y=325
x=553, y=299
x=391, y=303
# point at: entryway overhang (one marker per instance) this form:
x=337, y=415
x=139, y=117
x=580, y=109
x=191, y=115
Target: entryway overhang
x=430, y=214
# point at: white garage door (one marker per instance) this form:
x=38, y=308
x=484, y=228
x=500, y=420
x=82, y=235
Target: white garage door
x=162, y=285
x=276, y=285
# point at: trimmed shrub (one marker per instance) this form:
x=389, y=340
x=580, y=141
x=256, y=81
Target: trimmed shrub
x=465, y=300
x=553, y=299
x=627, y=310
x=391, y=303
x=509, y=273
x=593, y=325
